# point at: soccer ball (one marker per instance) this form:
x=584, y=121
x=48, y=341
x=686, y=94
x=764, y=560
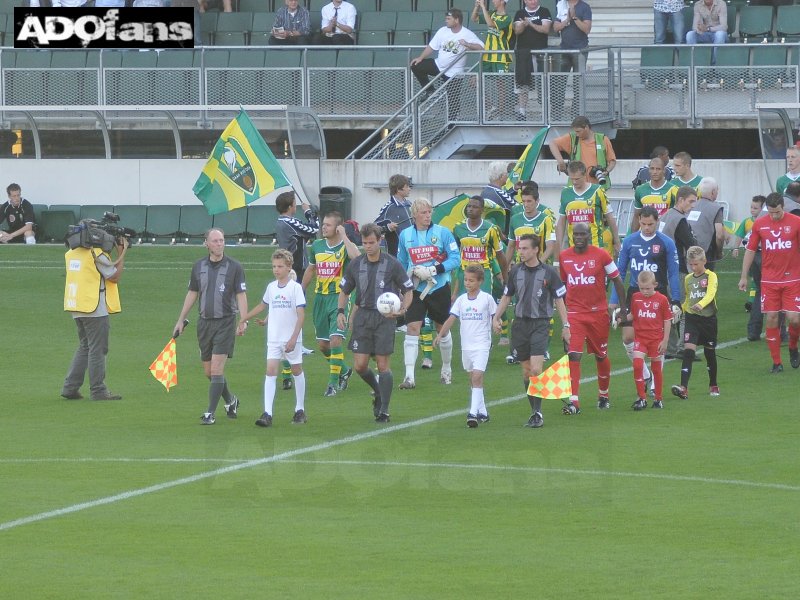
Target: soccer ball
x=388, y=303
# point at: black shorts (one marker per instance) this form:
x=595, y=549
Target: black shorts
x=700, y=331
x=372, y=333
x=436, y=305
x=628, y=295
x=216, y=336
x=529, y=337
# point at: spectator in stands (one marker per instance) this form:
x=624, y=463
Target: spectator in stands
x=292, y=25
x=710, y=24
x=584, y=145
x=793, y=171
x=498, y=37
x=18, y=213
x=451, y=43
x=706, y=221
x=574, y=23
x=532, y=25
x=643, y=174
x=668, y=11
x=338, y=24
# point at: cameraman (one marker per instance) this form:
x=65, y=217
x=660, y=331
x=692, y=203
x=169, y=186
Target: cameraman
x=91, y=294
x=592, y=149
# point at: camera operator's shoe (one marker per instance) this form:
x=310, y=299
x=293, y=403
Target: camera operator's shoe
x=232, y=409
x=72, y=395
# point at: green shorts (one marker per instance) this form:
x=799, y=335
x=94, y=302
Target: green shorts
x=325, y=312
x=496, y=67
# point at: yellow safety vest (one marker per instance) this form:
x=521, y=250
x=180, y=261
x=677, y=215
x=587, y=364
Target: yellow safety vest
x=84, y=283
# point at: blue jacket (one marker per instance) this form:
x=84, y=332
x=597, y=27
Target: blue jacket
x=435, y=246
x=658, y=255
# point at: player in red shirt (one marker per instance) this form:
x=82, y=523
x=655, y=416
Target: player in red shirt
x=778, y=235
x=584, y=269
x=652, y=317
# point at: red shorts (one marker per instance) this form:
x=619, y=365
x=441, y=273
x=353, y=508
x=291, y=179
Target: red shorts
x=592, y=328
x=780, y=296
x=647, y=346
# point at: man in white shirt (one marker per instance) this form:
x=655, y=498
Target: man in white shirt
x=451, y=43
x=338, y=24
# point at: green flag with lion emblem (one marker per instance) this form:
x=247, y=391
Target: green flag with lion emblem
x=241, y=169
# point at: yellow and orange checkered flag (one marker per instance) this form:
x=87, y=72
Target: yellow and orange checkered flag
x=553, y=383
x=165, y=366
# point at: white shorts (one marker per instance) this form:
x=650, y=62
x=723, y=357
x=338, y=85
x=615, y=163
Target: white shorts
x=474, y=359
x=277, y=351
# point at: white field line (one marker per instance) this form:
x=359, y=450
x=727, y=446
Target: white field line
x=283, y=456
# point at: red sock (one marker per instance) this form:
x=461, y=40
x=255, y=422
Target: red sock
x=658, y=376
x=638, y=377
x=794, y=334
x=773, y=336
x=603, y=375
x=575, y=376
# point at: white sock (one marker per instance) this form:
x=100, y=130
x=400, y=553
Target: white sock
x=476, y=401
x=482, y=405
x=30, y=240
x=410, y=353
x=628, y=349
x=300, y=391
x=269, y=393
x=446, y=346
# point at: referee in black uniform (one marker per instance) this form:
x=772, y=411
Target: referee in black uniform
x=218, y=282
x=370, y=275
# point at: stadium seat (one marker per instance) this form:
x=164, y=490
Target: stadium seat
x=133, y=216
x=38, y=211
x=321, y=58
x=391, y=58
x=437, y=6
x=35, y=59
x=655, y=62
x=732, y=55
x=139, y=60
x=163, y=222
x=414, y=21
x=233, y=223
x=261, y=222
x=95, y=211
x=787, y=23
x=208, y=24
x=212, y=58
x=409, y=38
x=233, y=28
x=262, y=28
x=68, y=59
x=769, y=65
x=384, y=20
x=8, y=59
x=256, y=6
x=283, y=58
x=354, y=58
x=175, y=59
x=251, y=57
x=755, y=22
x=702, y=56
x=194, y=223
x=732, y=14
x=368, y=5
x=240, y=79
x=55, y=223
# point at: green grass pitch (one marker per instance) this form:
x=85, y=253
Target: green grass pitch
x=136, y=499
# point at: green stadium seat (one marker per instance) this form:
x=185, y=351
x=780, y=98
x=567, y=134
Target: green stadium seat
x=94, y=211
x=175, y=59
x=702, y=56
x=233, y=223
x=261, y=222
x=732, y=55
x=409, y=38
x=163, y=222
x=374, y=38
x=139, y=60
x=363, y=6
x=256, y=6
x=211, y=58
x=208, y=24
x=111, y=59
x=55, y=223
x=654, y=61
x=251, y=57
x=321, y=58
x=688, y=20
x=355, y=58
x=194, y=223
x=769, y=65
x=8, y=59
x=414, y=21
x=755, y=22
x=283, y=58
x=133, y=216
x=33, y=59
x=262, y=26
x=437, y=6
x=787, y=23
x=68, y=59
x=38, y=211
x=732, y=14
x=384, y=20
x=391, y=58
x=233, y=28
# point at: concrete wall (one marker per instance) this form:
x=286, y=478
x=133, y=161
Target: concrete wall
x=170, y=181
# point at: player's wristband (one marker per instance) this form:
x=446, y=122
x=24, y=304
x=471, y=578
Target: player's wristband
x=565, y=326
x=340, y=311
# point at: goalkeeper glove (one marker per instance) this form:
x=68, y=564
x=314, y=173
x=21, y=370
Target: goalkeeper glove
x=676, y=313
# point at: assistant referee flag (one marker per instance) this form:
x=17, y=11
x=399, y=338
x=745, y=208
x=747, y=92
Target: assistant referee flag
x=241, y=169
x=165, y=367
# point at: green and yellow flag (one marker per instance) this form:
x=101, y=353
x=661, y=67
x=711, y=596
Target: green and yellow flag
x=523, y=170
x=241, y=169
x=451, y=212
